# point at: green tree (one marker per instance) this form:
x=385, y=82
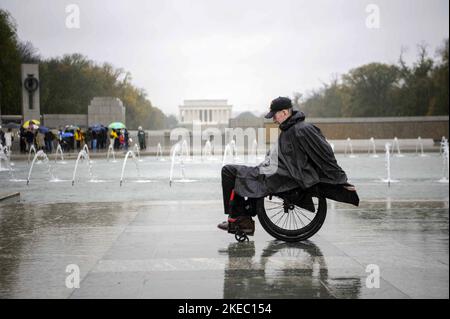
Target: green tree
x=439, y=104
x=416, y=94
x=326, y=102
x=10, y=78
x=69, y=84
x=368, y=90
x=387, y=90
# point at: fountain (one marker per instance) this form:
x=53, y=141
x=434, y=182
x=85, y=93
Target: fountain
x=185, y=150
x=32, y=148
x=59, y=149
x=372, y=148
x=349, y=146
x=442, y=144
x=4, y=158
x=419, y=145
x=159, y=154
x=207, y=151
x=445, y=168
x=176, y=150
x=137, y=151
x=388, y=165
x=40, y=154
x=230, y=149
x=86, y=149
x=395, y=145
x=125, y=163
x=6, y=151
x=82, y=154
x=111, y=151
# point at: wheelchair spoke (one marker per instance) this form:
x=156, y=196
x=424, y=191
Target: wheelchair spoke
x=285, y=220
x=301, y=213
x=274, y=207
x=294, y=222
x=279, y=212
x=279, y=218
x=299, y=218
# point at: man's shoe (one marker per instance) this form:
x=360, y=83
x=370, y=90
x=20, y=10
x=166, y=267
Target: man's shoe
x=223, y=225
x=242, y=223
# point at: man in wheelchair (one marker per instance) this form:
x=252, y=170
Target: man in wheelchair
x=301, y=163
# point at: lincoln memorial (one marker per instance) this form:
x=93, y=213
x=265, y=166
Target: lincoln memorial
x=207, y=112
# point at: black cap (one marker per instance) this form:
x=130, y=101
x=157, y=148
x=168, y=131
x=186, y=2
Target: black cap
x=280, y=103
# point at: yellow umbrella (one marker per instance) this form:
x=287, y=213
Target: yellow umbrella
x=30, y=122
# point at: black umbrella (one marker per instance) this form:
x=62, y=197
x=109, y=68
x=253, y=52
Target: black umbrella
x=12, y=125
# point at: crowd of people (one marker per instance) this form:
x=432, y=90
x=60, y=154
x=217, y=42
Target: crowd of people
x=70, y=138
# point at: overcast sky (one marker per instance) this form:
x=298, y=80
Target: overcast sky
x=246, y=51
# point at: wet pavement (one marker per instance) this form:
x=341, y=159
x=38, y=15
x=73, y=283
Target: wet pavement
x=148, y=240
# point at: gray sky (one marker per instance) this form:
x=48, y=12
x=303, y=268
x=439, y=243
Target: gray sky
x=246, y=51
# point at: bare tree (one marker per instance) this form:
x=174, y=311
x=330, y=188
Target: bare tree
x=28, y=53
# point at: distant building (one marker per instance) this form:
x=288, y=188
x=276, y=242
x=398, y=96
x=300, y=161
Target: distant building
x=103, y=110
x=205, y=112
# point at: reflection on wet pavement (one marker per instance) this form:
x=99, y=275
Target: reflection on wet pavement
x=149, y=240
x=174, y=250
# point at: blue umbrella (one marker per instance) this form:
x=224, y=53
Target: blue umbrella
x=97, y=127
x=43, y=129
x=66, y=134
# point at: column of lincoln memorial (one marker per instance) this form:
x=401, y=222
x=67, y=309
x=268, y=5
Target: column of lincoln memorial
x=210, y=112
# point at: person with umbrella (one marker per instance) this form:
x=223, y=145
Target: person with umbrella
x=112, y=136
x=66, y=140
x=78, y=138
x=29, y=138
x=48, y=138
x=34, y=124
x=87, y=138
x=115, y=127
x=11, y=125
x=94, y=131
x=40, y=139
x=22, y=140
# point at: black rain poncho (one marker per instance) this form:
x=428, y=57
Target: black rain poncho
x=301, y=159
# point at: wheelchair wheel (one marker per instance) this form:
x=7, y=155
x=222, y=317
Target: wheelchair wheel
x=289, y=222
